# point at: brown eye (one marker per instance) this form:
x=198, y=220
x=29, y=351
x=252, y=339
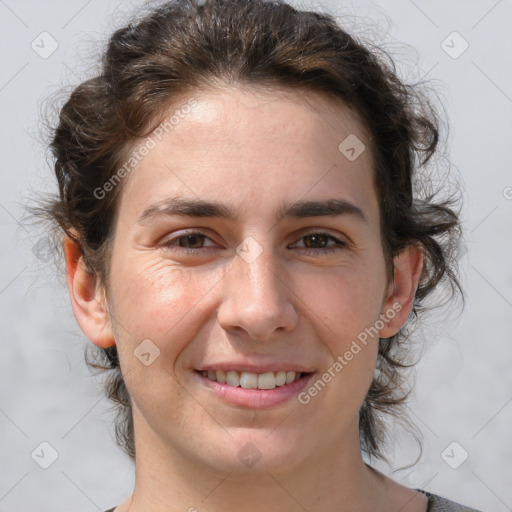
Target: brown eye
x=321, y=243
x=189, y=242
x=193, y=241
x=316, y=241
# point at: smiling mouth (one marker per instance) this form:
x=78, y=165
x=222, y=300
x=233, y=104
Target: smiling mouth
x=248, y=380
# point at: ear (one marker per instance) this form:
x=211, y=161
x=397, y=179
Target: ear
x=399, y=301
x=87, y=297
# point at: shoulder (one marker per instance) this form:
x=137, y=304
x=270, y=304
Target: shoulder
x=439, y=504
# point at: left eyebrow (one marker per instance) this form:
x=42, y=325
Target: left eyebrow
x=201, y=208
x=330, y=207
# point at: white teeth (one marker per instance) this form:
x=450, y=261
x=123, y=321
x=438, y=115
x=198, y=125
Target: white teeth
x=247, y=380
x=280, y=378
x=267, y=381
x=232, y=378
x=290, y=377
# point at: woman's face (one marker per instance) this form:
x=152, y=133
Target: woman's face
x=226, y=259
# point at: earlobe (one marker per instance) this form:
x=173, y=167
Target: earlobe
x=400, y=299
x=87, y=297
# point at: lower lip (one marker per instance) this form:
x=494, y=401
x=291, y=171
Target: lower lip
x=256, y=398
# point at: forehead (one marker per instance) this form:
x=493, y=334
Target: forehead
x=270, y=114
x=248, y=144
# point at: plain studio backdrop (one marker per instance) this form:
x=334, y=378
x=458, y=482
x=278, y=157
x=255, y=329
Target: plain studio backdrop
x=462, y=401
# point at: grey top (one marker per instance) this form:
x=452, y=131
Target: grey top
x=439, y=504
x=435, y=504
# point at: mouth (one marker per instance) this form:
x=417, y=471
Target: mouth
x=249, y=380
x=254, y=390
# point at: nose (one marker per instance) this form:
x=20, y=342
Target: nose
x=258, y=299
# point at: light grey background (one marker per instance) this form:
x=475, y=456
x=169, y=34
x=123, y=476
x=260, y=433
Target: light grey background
x=464, y=383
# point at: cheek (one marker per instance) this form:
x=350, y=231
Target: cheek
x=346, y=300
x=163, y=305
x=158, y=303
x=348, y=307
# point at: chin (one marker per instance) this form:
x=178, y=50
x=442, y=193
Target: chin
x=251, y=452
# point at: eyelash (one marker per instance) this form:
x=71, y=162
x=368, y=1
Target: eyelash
x=340, y=244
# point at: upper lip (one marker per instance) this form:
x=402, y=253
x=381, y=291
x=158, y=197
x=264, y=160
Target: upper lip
x=256, y=368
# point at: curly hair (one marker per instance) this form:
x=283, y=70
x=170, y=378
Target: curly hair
x=185, y=45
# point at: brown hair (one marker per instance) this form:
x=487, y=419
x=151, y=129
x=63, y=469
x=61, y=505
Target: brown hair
x=186, y=45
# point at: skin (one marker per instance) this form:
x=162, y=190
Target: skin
x=254, y=150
